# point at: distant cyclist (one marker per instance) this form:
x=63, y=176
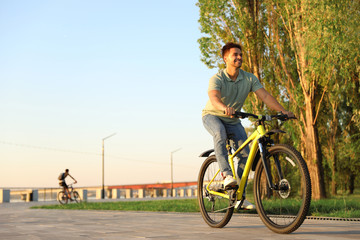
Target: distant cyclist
x=62, y=182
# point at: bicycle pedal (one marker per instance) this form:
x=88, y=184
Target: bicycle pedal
x=232, y=197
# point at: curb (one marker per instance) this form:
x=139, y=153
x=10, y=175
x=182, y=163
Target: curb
x=333, y=219
x=310, y=218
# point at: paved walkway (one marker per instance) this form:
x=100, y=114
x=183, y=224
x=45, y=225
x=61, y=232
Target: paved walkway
x=18, y=221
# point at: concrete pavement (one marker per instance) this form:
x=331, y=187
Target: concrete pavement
x=18, y=221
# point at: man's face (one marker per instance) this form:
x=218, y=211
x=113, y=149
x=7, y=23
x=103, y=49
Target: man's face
x=233, y=58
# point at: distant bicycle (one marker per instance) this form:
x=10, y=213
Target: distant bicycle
x=63, y=196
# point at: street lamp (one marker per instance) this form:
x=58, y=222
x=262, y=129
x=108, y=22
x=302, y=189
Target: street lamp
x=103, y=156
x=172, y=178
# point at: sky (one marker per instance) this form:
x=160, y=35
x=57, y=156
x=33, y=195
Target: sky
x=74, y=72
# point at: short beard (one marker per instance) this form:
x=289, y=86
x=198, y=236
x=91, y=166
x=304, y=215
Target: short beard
x=238, y=67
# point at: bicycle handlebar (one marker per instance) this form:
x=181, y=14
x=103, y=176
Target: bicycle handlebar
x=280, y=116
x=72, y=184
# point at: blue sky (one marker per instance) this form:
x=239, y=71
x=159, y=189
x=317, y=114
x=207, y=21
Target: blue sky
x=74, y=72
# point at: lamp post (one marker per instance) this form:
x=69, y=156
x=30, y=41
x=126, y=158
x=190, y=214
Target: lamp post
x=103, y=158
x=172, y=177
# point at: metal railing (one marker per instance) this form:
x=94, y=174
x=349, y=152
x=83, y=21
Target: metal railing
x=50, y=194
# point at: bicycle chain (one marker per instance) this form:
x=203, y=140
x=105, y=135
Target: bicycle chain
x=232, y=199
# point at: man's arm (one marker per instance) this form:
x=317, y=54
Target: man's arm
x=215, y=99
x=271, y=102
x=73, y=178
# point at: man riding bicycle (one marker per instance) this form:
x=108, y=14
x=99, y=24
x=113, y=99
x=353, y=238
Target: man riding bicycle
x=62, y=182
x=227, y=92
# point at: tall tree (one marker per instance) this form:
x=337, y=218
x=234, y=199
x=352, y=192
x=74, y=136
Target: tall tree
x=341, y=31
x=303, y=21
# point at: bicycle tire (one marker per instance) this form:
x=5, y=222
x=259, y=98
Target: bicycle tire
x=284, y=210
x=210, y=204
x=77, y=198
x=62, y=197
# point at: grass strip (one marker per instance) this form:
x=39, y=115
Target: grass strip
x=326, y=208
x=335, y=208
x=181, y=205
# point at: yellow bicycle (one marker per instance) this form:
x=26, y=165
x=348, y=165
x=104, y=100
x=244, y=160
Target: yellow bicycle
x=282, y=187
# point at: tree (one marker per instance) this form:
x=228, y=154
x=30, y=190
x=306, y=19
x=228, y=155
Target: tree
x=339, y=57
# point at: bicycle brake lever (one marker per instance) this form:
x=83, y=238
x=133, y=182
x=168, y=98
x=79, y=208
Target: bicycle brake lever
x=286, y=117
x=281, y=116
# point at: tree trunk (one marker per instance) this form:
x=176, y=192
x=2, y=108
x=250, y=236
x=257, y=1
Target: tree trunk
x=313, y=153
x=333, y=147
x=333, y=178
x=352, y=183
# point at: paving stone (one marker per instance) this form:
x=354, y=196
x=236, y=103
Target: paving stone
x=18, y=221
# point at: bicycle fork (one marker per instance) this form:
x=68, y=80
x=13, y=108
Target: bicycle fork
x=263, y=154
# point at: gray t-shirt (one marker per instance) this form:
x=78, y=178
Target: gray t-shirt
x=233, y=93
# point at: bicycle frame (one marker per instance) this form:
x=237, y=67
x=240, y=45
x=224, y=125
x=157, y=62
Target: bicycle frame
x=69, y=190
x=255, y=136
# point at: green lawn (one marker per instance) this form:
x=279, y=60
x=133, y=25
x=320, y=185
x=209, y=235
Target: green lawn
x=337, y=207
x=179, y=205
x=345, y=207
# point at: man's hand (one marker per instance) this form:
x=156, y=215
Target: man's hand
x=229, y=111
x=289, y=114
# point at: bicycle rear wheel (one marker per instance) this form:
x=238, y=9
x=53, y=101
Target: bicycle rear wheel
x=214, y=209
x=62, y=197
x=77, y=198
x=283, y=210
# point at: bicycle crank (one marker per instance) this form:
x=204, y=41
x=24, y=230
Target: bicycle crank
x=232, y=196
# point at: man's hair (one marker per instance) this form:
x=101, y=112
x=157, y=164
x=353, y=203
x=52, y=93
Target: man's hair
x=66, y=170
x=226, y=48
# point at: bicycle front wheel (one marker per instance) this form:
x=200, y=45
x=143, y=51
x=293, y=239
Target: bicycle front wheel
x=77, y=198
x=214, y=209
x=62, y=197
x=284, y=208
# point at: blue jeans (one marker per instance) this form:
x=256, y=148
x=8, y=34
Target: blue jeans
x=220, y=132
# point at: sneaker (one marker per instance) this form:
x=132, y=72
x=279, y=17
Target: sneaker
x=246, y=205
x=229, y=181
